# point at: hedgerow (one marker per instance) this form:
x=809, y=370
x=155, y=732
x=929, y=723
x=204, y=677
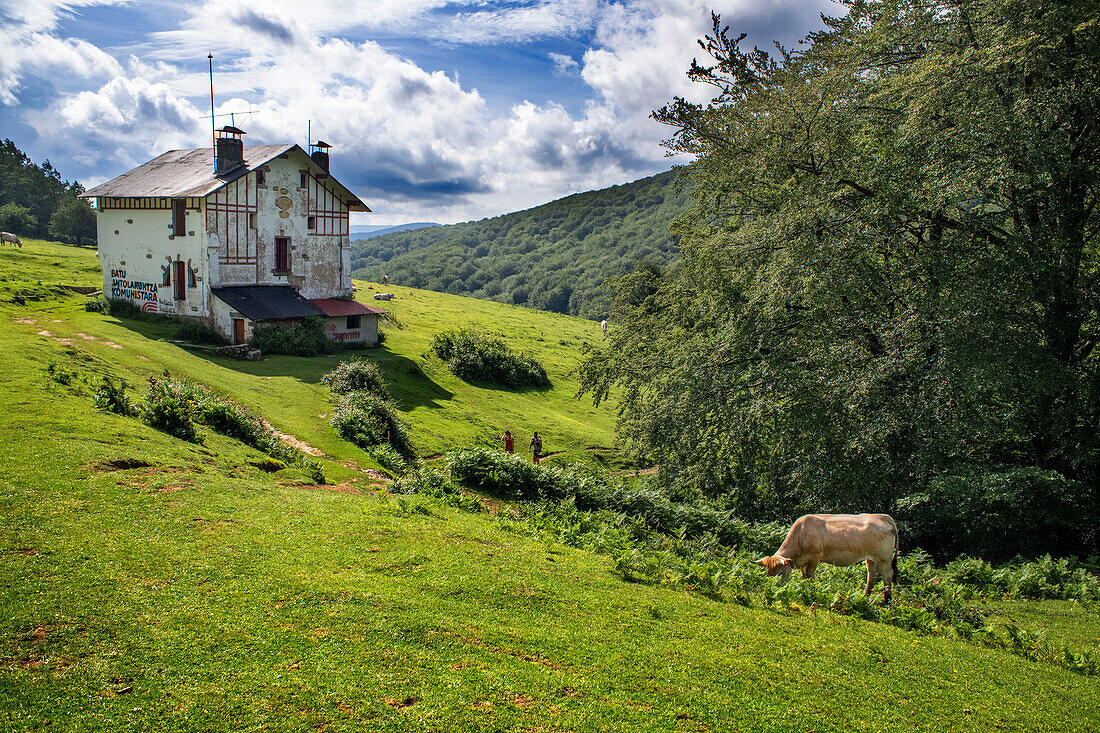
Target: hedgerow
x=472, y=356
x=655, y=540
x=176, y=406
x=306, y=339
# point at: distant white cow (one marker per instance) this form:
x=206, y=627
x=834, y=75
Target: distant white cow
x=10, y=238
x=603, y=327
x=839, y=539
x=383, y=296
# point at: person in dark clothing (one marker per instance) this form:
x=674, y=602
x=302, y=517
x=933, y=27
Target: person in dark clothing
x=536, y=447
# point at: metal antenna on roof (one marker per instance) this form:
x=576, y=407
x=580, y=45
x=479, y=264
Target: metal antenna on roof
x=213, y=135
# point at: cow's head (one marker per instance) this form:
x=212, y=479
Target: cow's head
x=776, y=564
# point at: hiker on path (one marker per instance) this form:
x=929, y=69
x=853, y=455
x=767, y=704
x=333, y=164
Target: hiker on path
x=536, y=447
x=509, y=444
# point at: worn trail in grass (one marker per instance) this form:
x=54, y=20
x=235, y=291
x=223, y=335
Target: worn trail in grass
x=200, y=593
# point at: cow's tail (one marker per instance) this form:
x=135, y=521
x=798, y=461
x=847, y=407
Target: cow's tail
x=894, y=562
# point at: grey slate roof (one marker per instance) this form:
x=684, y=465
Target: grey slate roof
x=266, y=302
x=182, y=173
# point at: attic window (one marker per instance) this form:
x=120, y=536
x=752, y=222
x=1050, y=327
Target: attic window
x=252, y=221
x=302, y=178
x=261, y=178
x=179, y=217
x=311, y=222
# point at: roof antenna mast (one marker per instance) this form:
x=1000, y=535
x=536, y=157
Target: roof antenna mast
x=213, y=135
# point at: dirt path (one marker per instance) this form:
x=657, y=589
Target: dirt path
x=294, y=442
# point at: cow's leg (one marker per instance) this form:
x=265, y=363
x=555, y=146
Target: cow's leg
x=809, y=569
x=872, y=576
x=887, y=579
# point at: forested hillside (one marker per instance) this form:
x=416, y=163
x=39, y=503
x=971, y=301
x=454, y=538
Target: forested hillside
x=36, y=202
x=554, y=257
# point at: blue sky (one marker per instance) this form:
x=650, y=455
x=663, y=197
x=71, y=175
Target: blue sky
x=437, y=110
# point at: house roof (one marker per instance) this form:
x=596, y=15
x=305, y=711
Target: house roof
x=334, y=307
x=266, y=302
x=182, y=173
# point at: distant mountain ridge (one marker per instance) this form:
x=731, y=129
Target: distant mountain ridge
x=366, y=231
x=553, y=257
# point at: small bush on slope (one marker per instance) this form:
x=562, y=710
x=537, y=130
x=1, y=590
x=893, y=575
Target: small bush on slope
x=357, y=375
x=472, y=356
x=366, y=419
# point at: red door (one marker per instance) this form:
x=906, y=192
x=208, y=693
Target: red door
x=180, y=281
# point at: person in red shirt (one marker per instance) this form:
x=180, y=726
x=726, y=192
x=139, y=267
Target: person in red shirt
x=509, y=444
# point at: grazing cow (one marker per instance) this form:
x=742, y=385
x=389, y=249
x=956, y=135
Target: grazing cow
x=603, y=327
x=839, y=539
x=9, y=238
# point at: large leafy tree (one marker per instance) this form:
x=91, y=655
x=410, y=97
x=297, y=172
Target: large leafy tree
x=890, y=272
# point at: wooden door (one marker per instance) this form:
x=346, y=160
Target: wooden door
x=238, y=330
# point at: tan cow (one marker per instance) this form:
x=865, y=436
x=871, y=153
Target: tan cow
x=839, y=539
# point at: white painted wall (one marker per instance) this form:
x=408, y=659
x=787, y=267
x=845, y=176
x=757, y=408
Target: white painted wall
x=135, y=245
x=367, y=333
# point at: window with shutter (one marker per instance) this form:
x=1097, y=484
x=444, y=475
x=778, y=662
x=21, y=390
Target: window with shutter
x=282, y=254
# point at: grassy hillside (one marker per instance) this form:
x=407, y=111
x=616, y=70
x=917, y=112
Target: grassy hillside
x=552, y=257
x=151, y=584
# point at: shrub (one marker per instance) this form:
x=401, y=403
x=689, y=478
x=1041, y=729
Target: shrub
x=1048, y=578
x=60, y=374
x=473, y=357
x=1023, y=511
x=168, y=408
x=358, y=375
x=306, y=339
x=199, y=333
x=390, y=459
x=367, y=420
x=98, y=305
x=113, y=398
x=510, y=476
x=126, y=309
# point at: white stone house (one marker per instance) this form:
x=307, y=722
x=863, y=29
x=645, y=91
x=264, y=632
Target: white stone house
x=253, y=237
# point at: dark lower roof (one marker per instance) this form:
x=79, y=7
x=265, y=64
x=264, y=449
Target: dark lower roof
x=266, y=302
x=334, y=307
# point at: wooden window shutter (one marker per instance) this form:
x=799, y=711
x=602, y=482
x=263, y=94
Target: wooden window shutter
x=282, y=254
x=179, y=217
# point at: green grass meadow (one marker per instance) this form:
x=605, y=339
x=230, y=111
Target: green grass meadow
x=150, y=584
